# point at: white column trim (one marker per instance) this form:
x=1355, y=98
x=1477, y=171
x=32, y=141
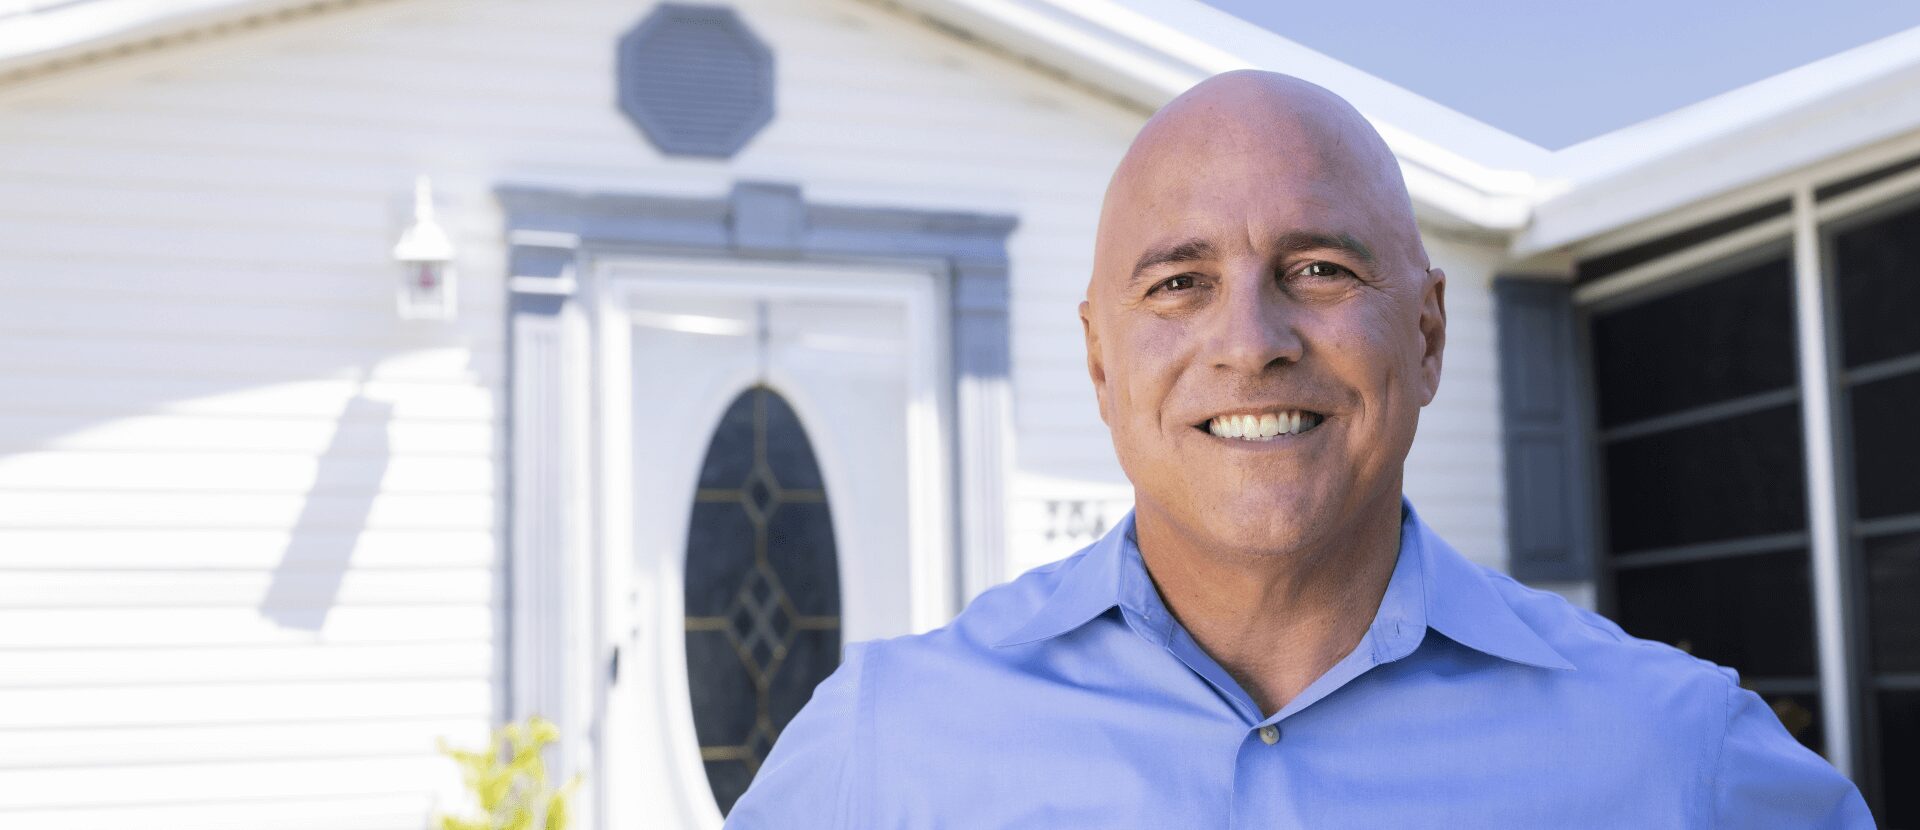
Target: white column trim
x=551, y=643
x=1823, y=503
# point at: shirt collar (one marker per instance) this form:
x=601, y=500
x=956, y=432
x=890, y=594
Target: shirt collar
x=1089, y=585
x=1462, y=602
x=1432, y=586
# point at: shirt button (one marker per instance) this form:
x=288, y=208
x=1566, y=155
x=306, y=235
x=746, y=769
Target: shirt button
x=1269, y=734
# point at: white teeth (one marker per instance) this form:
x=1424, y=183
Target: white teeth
x=1263, y=427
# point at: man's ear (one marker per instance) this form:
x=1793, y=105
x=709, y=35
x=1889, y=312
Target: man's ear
x=1096, y=371
x=1433, y=331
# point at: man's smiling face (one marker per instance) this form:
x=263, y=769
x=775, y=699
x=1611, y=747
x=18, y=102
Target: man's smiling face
x=1258, y=257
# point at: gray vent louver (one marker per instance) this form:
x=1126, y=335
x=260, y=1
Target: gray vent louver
x=696, y=80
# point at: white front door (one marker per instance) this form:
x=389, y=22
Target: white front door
x=785, y=468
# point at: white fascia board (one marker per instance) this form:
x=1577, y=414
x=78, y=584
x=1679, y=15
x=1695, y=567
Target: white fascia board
x=77, y=28
x=1762, y=131
x=1148, y=51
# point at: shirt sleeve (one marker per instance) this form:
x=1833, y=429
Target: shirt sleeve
x=810, y=775
x=1765, y=778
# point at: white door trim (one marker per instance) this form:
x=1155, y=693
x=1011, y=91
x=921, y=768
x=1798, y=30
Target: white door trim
x=555, y=601
x=642, y=605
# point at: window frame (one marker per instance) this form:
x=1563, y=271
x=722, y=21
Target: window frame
x=1880, y=181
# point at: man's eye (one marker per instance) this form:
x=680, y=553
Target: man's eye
x=1173, y=283
x=1323, y=269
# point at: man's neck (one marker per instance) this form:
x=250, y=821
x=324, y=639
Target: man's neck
x=1275, y=620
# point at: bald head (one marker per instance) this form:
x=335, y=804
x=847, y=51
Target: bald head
x=1267, y=126
x=1262, y=323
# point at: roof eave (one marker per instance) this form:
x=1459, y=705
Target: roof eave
x=38, y=42
x=1145, y=52
x=1761, y=132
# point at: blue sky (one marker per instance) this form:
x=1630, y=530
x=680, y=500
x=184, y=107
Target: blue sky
x=1556, y=73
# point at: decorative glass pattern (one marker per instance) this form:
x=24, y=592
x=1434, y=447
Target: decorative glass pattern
x=762, y=587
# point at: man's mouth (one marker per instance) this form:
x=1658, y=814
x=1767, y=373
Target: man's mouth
x=1262, y=426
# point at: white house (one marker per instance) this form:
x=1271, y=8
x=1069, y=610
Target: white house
x=763, y=340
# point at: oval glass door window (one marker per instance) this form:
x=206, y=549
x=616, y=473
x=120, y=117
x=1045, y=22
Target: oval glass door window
x=763, y=588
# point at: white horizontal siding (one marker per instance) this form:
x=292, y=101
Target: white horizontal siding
x=70, y=628
x=261, y=780
x=84, y=511
x=333, y=662
x=222, y=812
x=244, y=549
x=1455, y=472
x=201, y=743
x=323, y=588
x=249, y=520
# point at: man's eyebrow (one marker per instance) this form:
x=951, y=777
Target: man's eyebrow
x=1196, y=248
x=1186, y=250
x=1297, y=241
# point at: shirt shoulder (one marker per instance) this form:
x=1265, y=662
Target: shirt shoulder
x=1667, y=705
x=1753, y=773
x=1599, y=647
x=987, y=618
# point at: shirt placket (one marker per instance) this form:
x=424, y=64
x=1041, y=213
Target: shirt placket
x=1261, y=764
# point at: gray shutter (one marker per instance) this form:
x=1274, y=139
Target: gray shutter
x=1548, y=479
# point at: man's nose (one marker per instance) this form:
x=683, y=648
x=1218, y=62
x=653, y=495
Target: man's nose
x=1253, y=325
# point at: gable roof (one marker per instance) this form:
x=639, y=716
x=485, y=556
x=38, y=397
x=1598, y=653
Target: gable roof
x=1461, y=172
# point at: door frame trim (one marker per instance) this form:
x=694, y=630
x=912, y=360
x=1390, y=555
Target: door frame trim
x=650, y=708
x=555, y=652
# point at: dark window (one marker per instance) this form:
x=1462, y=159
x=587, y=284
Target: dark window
x=1886, y=445
x=1724, y=339
x=762, y=590
x=1751, y=612
x=1725, y=479
x=1703, y=478
x=1893, y=602
x=1877, y=271
x=1899, y=738
x=1875, y=267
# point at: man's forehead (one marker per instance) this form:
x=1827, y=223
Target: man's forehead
x=1251, y=153
x=1247, y=112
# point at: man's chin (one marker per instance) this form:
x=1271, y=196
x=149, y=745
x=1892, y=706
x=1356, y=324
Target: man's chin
x=1273, y=535
x=1259, y=522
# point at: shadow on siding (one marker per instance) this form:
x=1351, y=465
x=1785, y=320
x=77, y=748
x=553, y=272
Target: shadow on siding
x=306, y=583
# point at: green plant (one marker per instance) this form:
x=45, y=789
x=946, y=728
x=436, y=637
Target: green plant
x=509, y=780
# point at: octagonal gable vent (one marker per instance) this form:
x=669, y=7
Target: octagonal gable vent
x=696, y=80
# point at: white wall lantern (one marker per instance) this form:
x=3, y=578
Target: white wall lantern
x=425, y=254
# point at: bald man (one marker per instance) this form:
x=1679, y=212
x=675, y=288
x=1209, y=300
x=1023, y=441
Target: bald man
x=1272, y=637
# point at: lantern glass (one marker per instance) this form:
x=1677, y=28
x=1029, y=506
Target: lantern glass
x=426, y=290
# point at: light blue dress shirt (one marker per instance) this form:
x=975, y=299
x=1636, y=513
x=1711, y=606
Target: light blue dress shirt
x=1069, y=697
